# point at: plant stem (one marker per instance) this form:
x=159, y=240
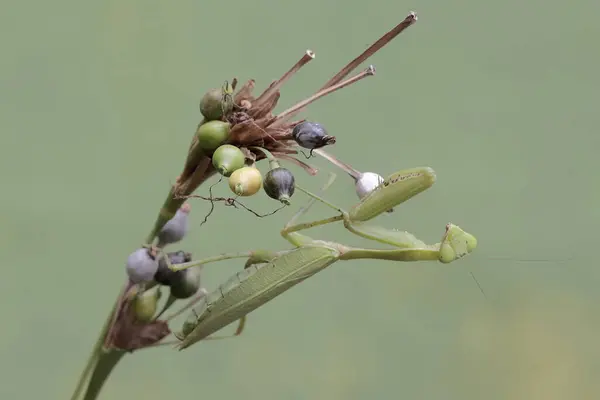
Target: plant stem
x=96, y=355
x=102, y=361
x=92, y=362
x=272, y=160
x=197, y=170
x=106, y=363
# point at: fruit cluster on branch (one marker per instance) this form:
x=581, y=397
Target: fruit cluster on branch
x=238, y=129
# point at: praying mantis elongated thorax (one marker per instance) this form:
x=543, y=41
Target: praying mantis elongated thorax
x=267, y=274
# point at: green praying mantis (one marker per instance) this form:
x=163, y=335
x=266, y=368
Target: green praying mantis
x=268, y=274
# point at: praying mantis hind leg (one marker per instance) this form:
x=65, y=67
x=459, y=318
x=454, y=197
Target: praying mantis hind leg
x=181, y=336
x=303, y=210
x=238, y=331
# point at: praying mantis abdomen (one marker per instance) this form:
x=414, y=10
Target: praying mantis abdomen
x=252, y=287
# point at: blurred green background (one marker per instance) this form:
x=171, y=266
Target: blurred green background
x=99, y=101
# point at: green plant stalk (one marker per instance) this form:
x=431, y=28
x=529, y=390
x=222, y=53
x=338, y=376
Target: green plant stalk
x=167, y=211
x=101, y=361
x=106, y=363
x=195, y=153
x=273, y=163
x=96, y=355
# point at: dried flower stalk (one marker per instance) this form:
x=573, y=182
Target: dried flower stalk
x=252, y=124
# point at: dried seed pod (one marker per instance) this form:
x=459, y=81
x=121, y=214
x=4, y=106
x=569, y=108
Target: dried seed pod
x=280, y=184
x=311, y=135
x=141, y=265
x=176, y=228
x=215, y=104
x=245, y=181
x=146, y=303
x=164, y=274
x=227, y=158
x=185, y=283
x=212, y=134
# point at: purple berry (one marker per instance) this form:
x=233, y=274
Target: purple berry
x=176, y=228
x=141, y=265
x=164, y=275
x=280, y=184
x=311, y=135
x=185, y=283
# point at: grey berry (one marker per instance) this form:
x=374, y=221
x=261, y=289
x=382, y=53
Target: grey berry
x=176, y=228
x=164, y=274
x=185, y=283
x=141, y=266
x=311, y=135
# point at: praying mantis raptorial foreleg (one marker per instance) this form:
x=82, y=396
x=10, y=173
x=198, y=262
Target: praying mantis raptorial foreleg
x=257, y=284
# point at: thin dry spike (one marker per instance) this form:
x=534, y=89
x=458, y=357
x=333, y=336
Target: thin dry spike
x=306, y=58
x=374, y=48
x=343, y=166
x=281, y=118
x=308, y=168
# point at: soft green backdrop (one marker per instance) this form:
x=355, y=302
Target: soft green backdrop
x=98, y=104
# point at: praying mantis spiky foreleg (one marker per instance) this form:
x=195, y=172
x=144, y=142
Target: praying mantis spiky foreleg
x=256, y=285
x=396, y=189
